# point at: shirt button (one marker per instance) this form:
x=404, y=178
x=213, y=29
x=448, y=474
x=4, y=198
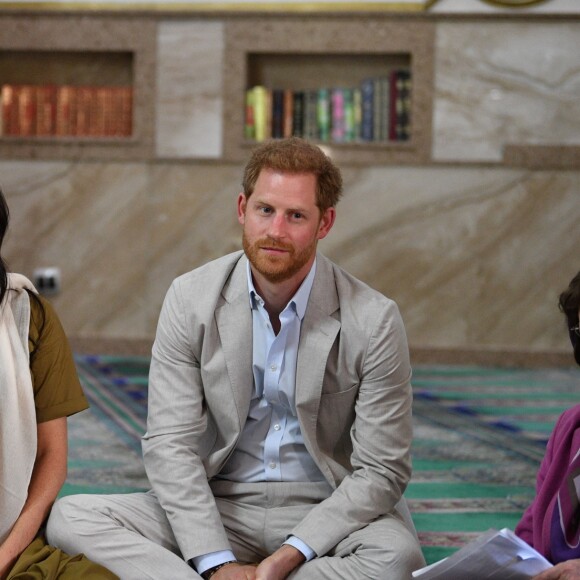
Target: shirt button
x=276, y=427
x=273, y=368
x=272, y=465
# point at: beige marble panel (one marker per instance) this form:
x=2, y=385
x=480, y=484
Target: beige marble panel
x=474, y=258
x=189, y=95
x=194, y=221
x=500, y=82
x=89, y=220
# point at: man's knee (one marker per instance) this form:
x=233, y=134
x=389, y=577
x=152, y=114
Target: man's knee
x=391, y=551
x=60, y=528
x=408, y=556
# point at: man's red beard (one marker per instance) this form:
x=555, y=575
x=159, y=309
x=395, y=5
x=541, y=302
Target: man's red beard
x=276, y=268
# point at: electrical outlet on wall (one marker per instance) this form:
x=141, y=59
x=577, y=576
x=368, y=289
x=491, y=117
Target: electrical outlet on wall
x=47, y=280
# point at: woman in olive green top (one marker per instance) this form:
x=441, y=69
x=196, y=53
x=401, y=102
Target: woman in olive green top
x=39, y=389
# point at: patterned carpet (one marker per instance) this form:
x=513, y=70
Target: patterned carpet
x=480, y=434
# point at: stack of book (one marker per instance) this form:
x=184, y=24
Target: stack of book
x=66, y=111
x=376, y=111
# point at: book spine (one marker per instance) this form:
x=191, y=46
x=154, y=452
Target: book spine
x=404, y=131
x=311, y=114
x=277, y=113
x=63, y=104
x=105, y=98
x=384, y=112
x=260, y=112
x=45, y=110
x=98, y=112
x=367, y=102
x=288, y=113
x=26, y=110
x=338, y=116
x=249, y=122
x=357, y=113
x=7, y=109
x=323, y=115
x=393, y=98
x=349, y=116
x=377, y=101
x=298, y=113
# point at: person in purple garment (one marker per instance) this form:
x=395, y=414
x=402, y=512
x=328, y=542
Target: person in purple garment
x=551, y=524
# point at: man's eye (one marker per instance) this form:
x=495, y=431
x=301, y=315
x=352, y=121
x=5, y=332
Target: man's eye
x=265, y=210
x=297, y=215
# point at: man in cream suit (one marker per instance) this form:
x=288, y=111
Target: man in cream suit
x=279, y=421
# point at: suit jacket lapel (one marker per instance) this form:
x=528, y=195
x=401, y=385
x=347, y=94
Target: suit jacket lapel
x=234, y=322
x=317, y=335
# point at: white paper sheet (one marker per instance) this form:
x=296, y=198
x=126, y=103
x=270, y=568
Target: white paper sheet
x=495, y=555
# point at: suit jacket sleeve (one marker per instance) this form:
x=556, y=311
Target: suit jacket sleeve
x=381, y=436
x=177, y=426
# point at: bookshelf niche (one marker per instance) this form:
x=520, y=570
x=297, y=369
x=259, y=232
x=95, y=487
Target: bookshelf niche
x=304, y=65
x=73, y=95
x=72, y=87
x=365, y=99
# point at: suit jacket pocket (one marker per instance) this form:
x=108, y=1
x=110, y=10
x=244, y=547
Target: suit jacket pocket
x=336, y=416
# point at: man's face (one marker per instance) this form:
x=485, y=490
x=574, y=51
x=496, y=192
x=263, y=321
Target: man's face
x=282, y=225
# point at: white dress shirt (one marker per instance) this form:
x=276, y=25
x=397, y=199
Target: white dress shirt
x=271, y=446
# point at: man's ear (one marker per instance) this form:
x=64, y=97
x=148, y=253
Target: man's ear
x=326, y=222
x=242, y=203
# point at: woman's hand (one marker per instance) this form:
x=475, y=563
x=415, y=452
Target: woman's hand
x=569, y=570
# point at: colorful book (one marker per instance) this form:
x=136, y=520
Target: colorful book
x=277, y=113
x=382, y=112
x=357, y=113
x=311, y=114
x=349, y=116
x=323, y=115
x=298, y=113
x=249, y=121
x=404, y=120
x=400, y=105
x=260, y=112
x=288, y=113
x=7, y=109
x=338, y=131
x=367, y=89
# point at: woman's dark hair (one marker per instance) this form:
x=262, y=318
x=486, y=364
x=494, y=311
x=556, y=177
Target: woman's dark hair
x=569, y=301
x=4, y=219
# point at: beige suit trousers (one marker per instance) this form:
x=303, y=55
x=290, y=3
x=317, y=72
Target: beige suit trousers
x=130, y=534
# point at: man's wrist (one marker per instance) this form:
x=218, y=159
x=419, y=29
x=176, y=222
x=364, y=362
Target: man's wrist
x=211, y=571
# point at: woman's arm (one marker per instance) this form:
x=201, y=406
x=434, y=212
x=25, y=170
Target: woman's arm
x=48, y=477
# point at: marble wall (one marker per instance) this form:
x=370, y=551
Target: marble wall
x=507, y=82
x=474, y=252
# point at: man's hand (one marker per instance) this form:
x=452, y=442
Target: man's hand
x=569, y=570
x=280, y=563
x=235, y=571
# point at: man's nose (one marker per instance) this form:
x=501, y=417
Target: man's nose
x=277, y=226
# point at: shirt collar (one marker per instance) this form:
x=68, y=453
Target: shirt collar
x=299, y=301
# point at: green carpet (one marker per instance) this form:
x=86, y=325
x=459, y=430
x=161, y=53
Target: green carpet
x=480, y=434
